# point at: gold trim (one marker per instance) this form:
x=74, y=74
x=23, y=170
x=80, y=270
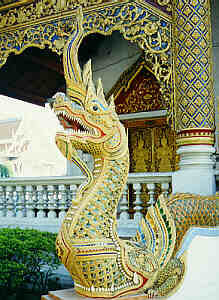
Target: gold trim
x=194, y=136
x=195, y=129
x=16, y=4
x=56, y=15
x=195, y=141
x=54, y=12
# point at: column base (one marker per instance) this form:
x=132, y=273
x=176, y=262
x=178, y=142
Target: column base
x=196, y=174
x=195, y=182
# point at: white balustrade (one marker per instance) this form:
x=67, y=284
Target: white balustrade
x=151, y=191
x=30, y=201
x=19, y=202
x=165, y=188
x=138, y=203
x=10, y=201
x=123, y=206
x=62, y=200
x=143, y=190
x=52, y=203
x=2, y=202
x=43, y=201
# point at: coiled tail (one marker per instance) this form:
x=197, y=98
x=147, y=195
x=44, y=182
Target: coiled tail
x=192, y=211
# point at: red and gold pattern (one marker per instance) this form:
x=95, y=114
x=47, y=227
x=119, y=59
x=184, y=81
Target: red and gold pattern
x=137, y=90
x=192, y=136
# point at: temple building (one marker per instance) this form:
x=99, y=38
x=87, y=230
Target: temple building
x=160, y=60
x=27, y=148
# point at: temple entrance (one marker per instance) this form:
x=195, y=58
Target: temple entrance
x=152, y=143
x=152, y=147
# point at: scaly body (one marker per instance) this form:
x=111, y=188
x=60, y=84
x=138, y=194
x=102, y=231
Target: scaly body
x=101, y=264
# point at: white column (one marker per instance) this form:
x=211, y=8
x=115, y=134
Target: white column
x=2, y=202
x=151, y=192
x=30, y=203
x=19, y=201
x=62, y=198
x=138, y=204
x=123, y=205
x=196, y=174
x=52, y=201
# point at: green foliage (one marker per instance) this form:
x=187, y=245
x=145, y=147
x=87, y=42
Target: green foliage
x=4, y=171
x=27, y=259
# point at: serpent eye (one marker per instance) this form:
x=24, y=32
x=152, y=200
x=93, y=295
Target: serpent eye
x=95, y=108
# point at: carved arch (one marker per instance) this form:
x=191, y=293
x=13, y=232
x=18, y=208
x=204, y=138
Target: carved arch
x=138, y=23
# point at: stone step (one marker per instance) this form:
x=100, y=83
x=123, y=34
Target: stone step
x=69, y=294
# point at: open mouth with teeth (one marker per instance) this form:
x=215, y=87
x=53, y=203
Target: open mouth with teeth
x=76, y=125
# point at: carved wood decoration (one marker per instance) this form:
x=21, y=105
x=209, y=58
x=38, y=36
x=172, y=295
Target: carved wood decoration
x=137, y=90
x=152, y=143
x=8, y=4
x=152, y=149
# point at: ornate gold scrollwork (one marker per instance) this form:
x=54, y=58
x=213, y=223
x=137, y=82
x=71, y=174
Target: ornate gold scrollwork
x=151, y=33
x=150, y=30
x=160, y=65
x=42, y=8
x=54, y=35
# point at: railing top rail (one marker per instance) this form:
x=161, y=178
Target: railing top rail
x=149, y=177
x=57, y=180
x=45, y=180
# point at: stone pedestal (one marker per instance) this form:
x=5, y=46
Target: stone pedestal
x=70, y=294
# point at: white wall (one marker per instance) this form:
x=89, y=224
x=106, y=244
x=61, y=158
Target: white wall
x=202, y=277
x=113, y=57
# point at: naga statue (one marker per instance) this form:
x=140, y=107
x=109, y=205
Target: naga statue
x=100, y=263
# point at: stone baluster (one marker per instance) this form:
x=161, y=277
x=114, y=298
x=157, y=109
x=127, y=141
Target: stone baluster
x=63, y=198
x=52, y=202
x=151, y=192
x=10, y=201
x=72, y=193
x=124, y=215
x=138, y=207
x=165, y=188
x=41, y=202
x=19, y=201
x=30, y=203
x=2, y=202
